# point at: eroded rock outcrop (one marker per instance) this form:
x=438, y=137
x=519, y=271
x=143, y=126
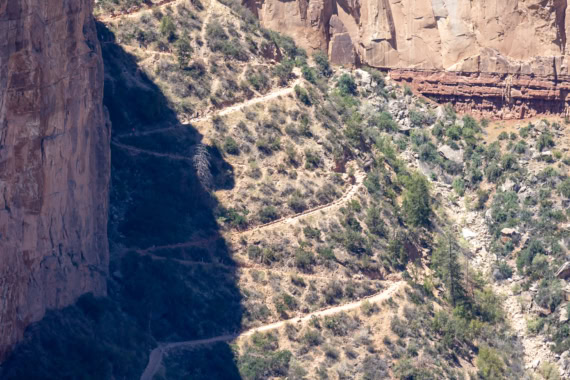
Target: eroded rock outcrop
x=522, y=38
x=493, y=95
x=54, y=161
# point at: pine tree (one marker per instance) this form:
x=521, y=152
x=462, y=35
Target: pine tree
x=445, y=262
x=416, y=203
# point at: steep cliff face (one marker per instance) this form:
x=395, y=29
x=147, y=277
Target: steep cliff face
x=54, y=161
x=518, y=37
x=459, y=35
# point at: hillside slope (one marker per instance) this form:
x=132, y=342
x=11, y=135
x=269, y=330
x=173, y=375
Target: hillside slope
x=275, y=217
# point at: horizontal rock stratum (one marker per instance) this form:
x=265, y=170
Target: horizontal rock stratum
x=54, y=161
x=523, y=39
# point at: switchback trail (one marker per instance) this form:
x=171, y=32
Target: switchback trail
x=150, y=152
x=351, y=192
x=225, y=111
x=354, y=188
x=259, y=99
x=155, y=358
x=247, y=264
x=135, y=10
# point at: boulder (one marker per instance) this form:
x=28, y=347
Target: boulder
x=564, y=271
x=468, y=234
x=451, y=154
x=509, y=232
x=563, y=314
x=508, y=185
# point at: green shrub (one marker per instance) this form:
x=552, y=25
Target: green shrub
x=298, y=281
x=236, y=218
x=505, y=270
x=312, y=160
x=339, y=324
x=312, y=337
x=459, y=186
x=549, y=371
x=490, y=364
x=493, y=172
x=331, y=352
x=509, y=162
x=183, y=51
x=416, y=204
x=564, y=188
x=545, y=141
x=454, y=132
x=535, y=325
x=231, y=146
x=303, y=95
x=322, y=61
x=428, y=152
x=268, y=214
x=550, y=295
x=312, y=233
x=470, y=123
x=168, y=29
x=309, y=74
x=260, y=366
x=383, y=121
x=374, y=222
x=347, y=85
x=283, y=71
x=520, y=147
x=326, y=253
x=503, y=136
x=376, y=76
x=304, y=260
x=369, y=308
x=418, y=119
x=297, y=202
x=258, y=80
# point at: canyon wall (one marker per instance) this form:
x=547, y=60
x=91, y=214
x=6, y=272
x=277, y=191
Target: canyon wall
x=520, y=38
x=54, y=161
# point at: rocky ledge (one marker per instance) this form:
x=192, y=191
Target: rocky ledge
x=491, y=95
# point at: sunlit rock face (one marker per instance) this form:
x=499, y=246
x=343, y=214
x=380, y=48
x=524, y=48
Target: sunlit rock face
x=54, y=161
x=522, y=39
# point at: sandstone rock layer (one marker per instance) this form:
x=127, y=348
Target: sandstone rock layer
x=524, y=38
x=54, y=161
x=491, y=95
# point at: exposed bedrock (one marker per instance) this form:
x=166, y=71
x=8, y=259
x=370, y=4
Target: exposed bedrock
x=54, y=161
x=491, y=95
x=522, y=38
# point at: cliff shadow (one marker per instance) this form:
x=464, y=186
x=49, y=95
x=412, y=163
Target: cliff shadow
x=161, y=203
x=166, y=283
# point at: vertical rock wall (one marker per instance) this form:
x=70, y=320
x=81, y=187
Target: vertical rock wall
x=457, y=35
x=54, y=161
x=481, y=44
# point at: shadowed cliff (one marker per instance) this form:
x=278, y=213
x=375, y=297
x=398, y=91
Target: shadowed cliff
x=159, y=208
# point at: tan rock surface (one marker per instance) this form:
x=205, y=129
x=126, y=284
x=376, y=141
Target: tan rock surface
x=524, y=38
x=54, y=161
x=460, y=35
